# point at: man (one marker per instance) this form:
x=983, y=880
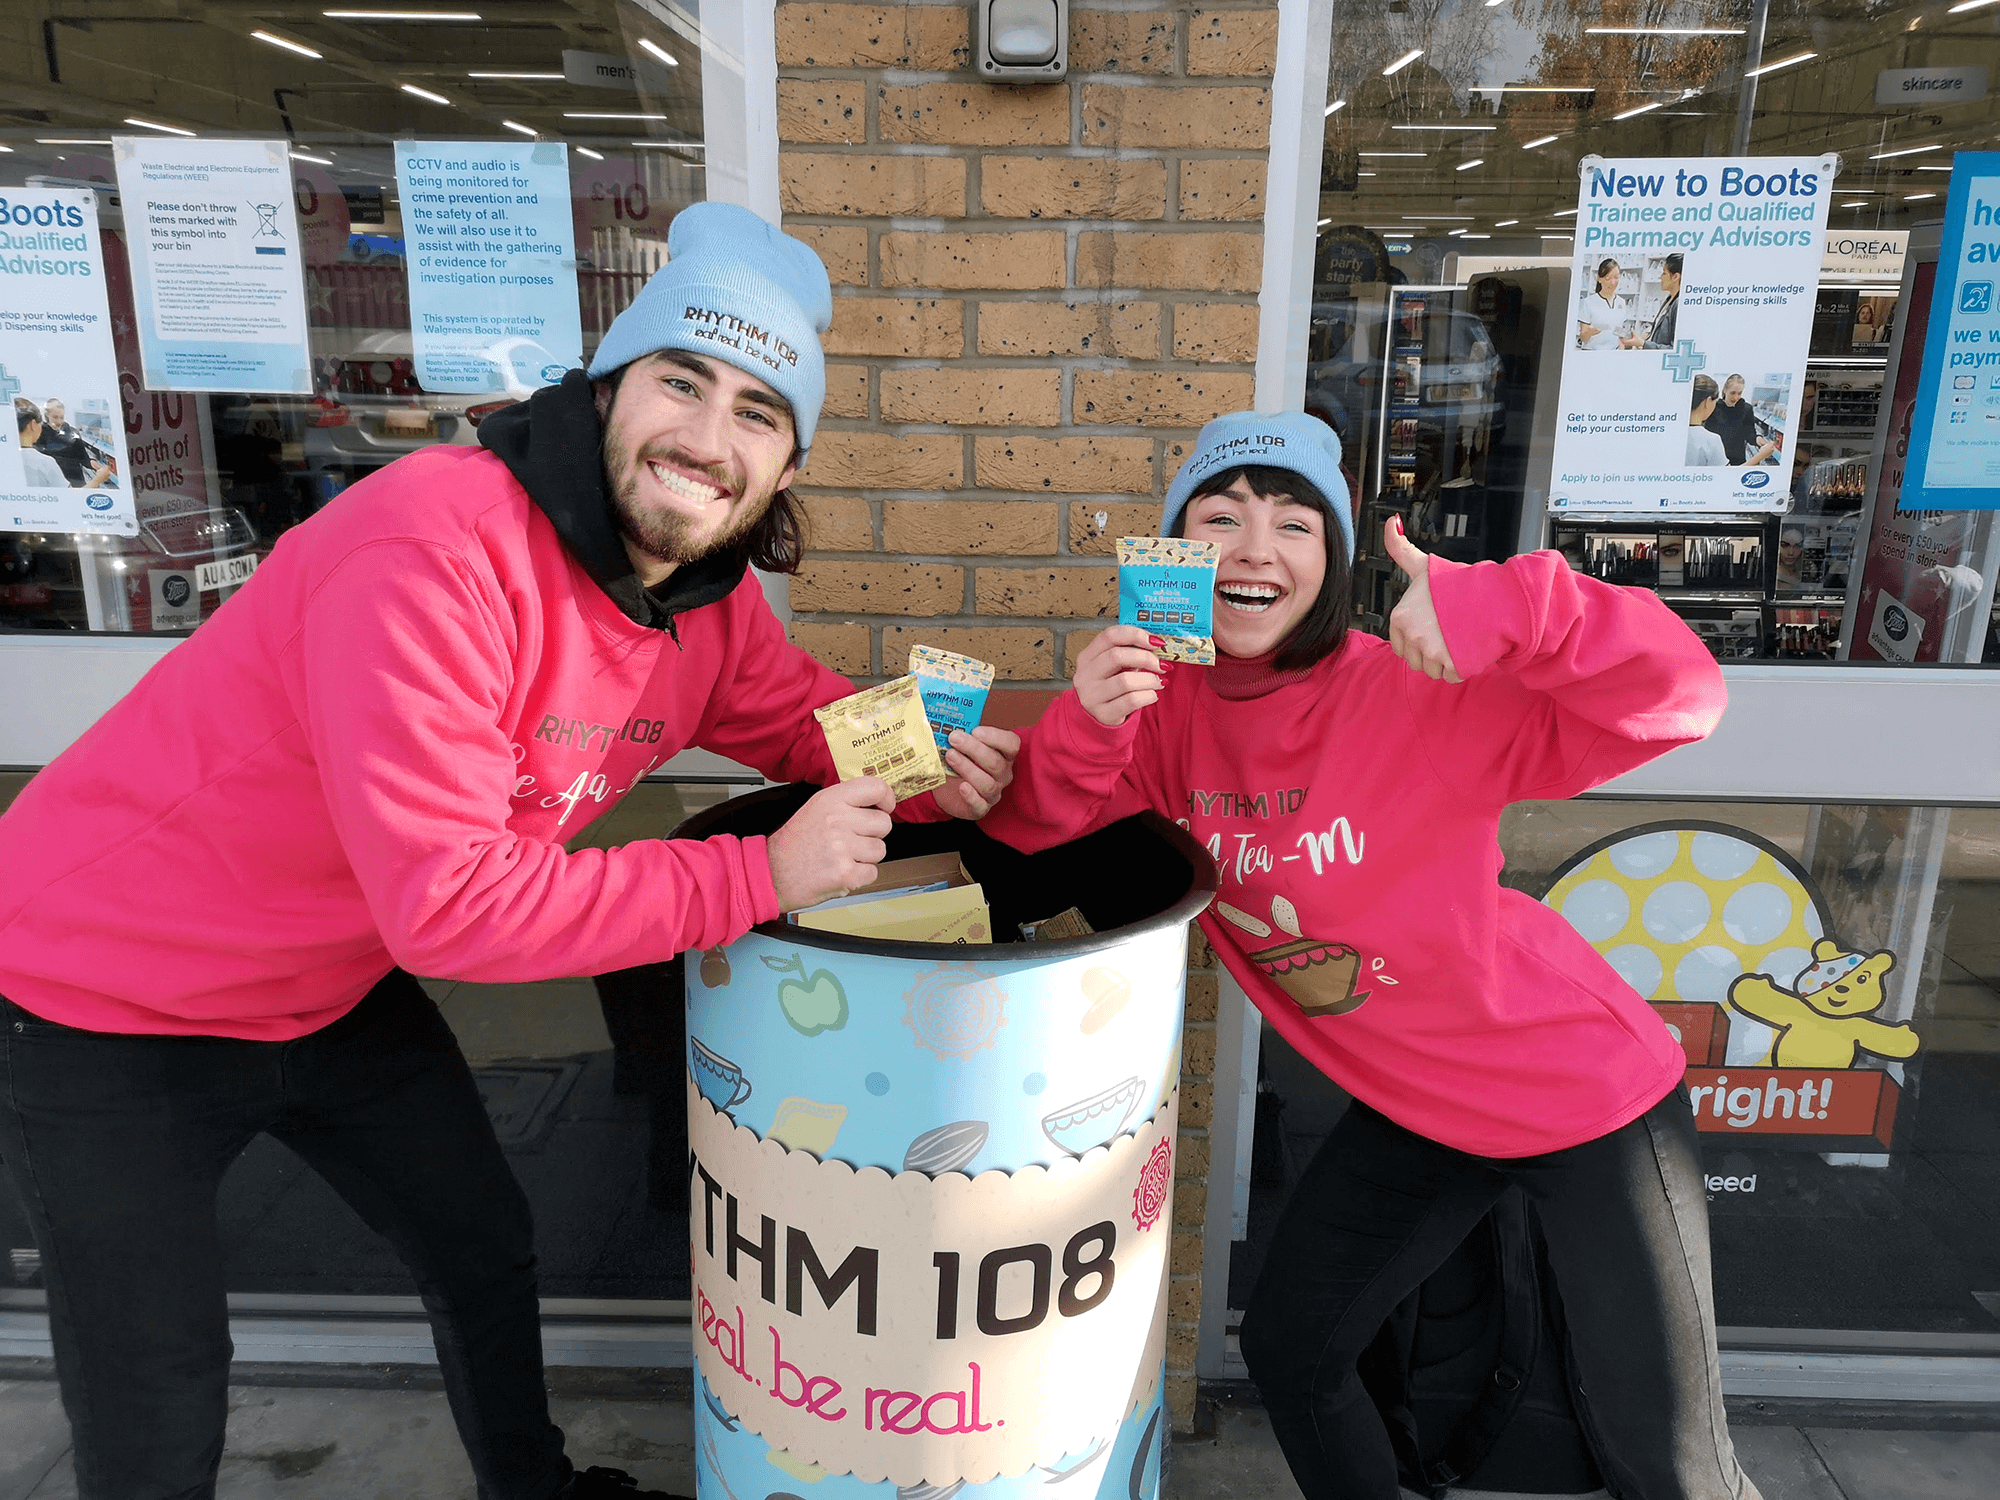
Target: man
x=1734, y=420
x=66, y=446
x=38, y=470
x=209, y=920
x=1661, y=334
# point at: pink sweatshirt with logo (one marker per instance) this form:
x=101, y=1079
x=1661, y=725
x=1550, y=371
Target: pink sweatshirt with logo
x=1355, y=816
x=372, y=755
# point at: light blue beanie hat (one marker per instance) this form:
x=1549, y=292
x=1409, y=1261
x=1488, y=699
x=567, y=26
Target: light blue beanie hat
x=1278, y=440
x=739, y=290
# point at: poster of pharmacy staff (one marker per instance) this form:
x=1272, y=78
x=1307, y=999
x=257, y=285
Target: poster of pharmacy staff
x=932, y=1209
x=1693, y=299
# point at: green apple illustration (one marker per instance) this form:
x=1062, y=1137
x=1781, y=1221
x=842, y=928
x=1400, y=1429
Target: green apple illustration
x=813, y=1002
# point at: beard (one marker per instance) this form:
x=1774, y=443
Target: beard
x=668, y=536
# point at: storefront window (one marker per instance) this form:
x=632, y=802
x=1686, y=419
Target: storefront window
x=263, y=355
x=1492, y=359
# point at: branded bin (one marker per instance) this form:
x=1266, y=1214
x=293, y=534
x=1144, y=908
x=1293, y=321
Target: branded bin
x=932, y=1184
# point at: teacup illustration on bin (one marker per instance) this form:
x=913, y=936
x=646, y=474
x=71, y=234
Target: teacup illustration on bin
x=1093, y=1121
x=721, y=1082
x=1317, y=974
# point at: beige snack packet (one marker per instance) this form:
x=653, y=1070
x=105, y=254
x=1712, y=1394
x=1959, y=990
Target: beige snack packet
x=882, y=731
x=1166, y=586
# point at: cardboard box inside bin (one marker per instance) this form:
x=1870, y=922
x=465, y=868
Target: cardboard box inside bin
x=929, y=899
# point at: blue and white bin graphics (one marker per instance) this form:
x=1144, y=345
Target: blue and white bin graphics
x=932, y=1184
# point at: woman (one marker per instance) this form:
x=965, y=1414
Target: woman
x=1597, y=317
x=1484, y=1041
x=1704, y=449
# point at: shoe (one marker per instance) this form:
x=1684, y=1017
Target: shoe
x=600, y=1483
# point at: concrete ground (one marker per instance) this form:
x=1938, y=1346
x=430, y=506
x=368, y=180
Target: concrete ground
x=311, y=1443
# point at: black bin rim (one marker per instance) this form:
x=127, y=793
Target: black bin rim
x=1201, y=892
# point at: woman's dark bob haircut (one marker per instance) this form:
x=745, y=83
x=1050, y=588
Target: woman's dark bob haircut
x=1319, y=634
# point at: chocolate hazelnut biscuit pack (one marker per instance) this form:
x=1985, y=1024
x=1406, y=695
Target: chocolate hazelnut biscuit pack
x=1166, y=586
x=882, y=731
x=954, y=689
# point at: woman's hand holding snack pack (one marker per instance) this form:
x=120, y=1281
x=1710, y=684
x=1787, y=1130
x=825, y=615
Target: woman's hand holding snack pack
x=1414, y=632
x=832, y=845
x=982, y=765
x=1117, y=675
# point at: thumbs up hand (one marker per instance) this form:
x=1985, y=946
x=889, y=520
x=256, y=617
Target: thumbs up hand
x=1414, y=632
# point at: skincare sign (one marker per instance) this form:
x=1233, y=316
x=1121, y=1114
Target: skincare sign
x=1686, y=348
x=493, y=303
x=1954, y=454
x=217, y=268
x=63, y=465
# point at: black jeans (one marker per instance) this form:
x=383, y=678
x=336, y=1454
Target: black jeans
x=117, y=1145
x=1626, y=1220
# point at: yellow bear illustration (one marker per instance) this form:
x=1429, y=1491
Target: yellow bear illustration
x=1826, y=1017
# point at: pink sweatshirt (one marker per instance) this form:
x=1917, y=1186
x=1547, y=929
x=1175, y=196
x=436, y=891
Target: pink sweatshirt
x=1355, y=816
x=372, y=755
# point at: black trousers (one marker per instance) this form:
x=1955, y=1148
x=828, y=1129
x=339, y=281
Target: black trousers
x=117, y=1145
x=1626, y=1220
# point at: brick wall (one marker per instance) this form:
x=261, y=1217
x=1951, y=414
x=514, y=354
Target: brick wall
x=1040, y=294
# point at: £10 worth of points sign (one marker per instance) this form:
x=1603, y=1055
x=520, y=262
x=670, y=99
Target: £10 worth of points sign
x=928, y=1330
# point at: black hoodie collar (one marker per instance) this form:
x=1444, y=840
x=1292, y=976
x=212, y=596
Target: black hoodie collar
x=553, y=444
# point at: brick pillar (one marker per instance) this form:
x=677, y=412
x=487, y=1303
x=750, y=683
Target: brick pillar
x=1040, y=294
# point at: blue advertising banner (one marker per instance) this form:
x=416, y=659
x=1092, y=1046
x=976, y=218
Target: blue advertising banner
x=492, y=261
x=217, y=272
x=1954, y=457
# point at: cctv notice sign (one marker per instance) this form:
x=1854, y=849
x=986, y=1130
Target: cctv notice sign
x=1954, y=453
x=1686, y=348
x=493, y=304
x=63, y=465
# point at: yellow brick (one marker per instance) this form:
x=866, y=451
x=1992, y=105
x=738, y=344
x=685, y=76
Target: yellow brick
x=973, y=398
x=1222, y=187
x=1123, y=330
x=1223, y=332
x=1201, y=955
x=1068, y=187
x=1046, y=593
x=1203, y=990
x=1017, y=654
x=1184, y=1259
x=1232, y=44
x=1096, y=525
x=846, y=391
x=1075, y=466
x=836, y=182
x=1200, y=119
x=878, y=588
x=1198, y=1103
x=1183, y=1393
x=1184, y=1299
x=897, y=327
x=1206, y=261
x=1073, y=647
x=1021, y=261
x=879, y=461
x=823, y=111
x=844, y=249
x=1198, y=1052
x=1191, y=1146
x=929, y=38
x=974, y=114
x=1182, y=1342
x=838, y=523
x=1159, y=399
x=1190, y=1203
x=839, y=648
x=1006, y=528
x=1111, y=41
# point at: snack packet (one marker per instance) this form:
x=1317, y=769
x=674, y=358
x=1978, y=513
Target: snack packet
x=882, y=731
x=953, y=688
x=1166, y=585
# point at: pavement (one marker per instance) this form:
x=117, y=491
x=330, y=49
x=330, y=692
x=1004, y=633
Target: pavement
x=310, y=1442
